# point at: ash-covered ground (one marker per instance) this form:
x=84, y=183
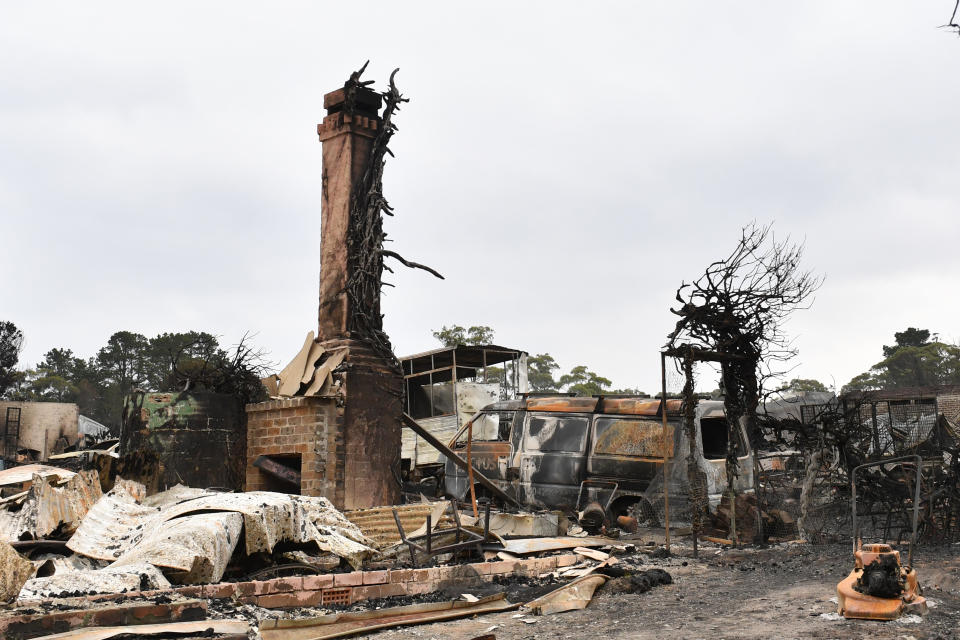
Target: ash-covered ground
x=780, y=592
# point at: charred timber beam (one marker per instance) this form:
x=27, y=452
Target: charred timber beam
x=457, y=460
x=703, y=355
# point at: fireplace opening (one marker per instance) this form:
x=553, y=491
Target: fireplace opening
x=281, y=472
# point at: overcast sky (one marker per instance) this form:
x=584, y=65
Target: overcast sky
x=565, y=166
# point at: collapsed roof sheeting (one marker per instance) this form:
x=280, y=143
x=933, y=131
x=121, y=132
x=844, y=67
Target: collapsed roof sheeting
x=271, y=517
x=49, y=504
x=173, y=495
x=25, y=473
x=193, y=536
x=195, y=548
x=139, y=577
x=113, y=525
x=309, y=373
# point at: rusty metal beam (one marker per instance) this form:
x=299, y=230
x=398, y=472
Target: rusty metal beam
x=277, y=470
x=341, y=625
x=457, y=460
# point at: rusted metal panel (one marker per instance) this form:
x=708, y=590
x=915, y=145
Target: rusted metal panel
x=199, y=629
x=15, y=570
x=380, y=526
x=341, y=625
x=64, y=507
x=571, y=596
x=278, y=470
x=632, y=438
x=49, y=504
x=563, y=404
x=639, y=406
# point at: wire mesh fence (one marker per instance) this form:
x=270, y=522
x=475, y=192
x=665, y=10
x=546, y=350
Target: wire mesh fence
x=792, y=476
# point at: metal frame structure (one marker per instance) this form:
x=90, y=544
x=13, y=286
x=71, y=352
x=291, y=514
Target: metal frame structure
x=473, y=358
x=11, y=434
x=917, y=462
x=473, y=540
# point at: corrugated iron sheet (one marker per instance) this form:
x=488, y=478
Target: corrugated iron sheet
x=15, y=570
x=113, y=525
x=116, y=528
x=195, y=548
x=49, y=505
x=64, y=507
x=378, y=524
x=140, y=577
x=195, y=629
x=341, y=625
x=25, y=473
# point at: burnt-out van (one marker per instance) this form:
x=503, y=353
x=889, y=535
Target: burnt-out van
x=561, y=452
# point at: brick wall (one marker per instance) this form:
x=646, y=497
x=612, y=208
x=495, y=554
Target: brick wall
x=345, y=588
x=373, y=405
x=310, y=428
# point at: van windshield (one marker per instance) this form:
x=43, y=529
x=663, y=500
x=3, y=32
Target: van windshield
x=556, y=433
x=490, y=425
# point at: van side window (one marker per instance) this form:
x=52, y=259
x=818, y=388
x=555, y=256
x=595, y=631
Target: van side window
x=555, y=433
x=631, y=437
x=713, y=432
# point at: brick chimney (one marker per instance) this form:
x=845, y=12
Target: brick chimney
x=342, y=444
x=347, y=139
x=371, y=388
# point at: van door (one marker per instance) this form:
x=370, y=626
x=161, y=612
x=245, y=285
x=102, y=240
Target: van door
x=712, y=439
x=553, y=459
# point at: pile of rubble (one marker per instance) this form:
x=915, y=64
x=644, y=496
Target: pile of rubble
x=82, y=541
x=66, y=546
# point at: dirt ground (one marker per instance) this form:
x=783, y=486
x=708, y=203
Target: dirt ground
x=780, y=592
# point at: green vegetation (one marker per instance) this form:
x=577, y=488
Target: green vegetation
x=916, y=359
x=541, y=368
x=193, y=360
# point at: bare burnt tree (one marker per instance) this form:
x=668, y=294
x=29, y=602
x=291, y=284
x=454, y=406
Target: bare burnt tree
x=952, y=23
x=366, y=236
x=202, y=365
x=734, y=315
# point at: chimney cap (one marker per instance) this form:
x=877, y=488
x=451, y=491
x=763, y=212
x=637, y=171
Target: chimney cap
x=367, y=101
